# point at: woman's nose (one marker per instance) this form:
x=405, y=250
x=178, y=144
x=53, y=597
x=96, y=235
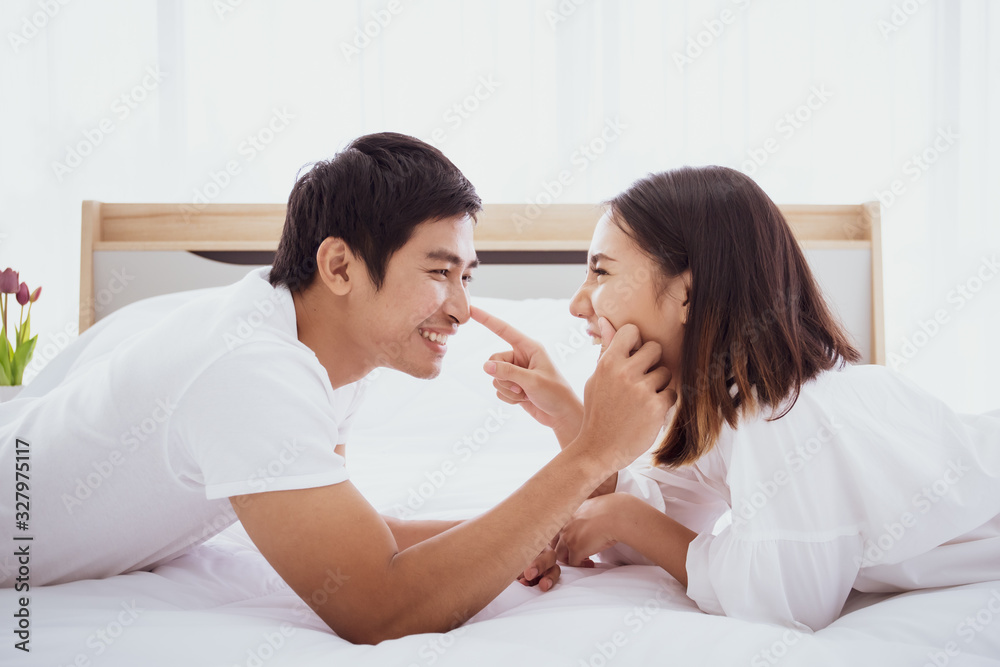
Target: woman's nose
x=579, y=305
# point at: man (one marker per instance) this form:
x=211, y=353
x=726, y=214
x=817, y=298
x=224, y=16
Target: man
x=149, y=446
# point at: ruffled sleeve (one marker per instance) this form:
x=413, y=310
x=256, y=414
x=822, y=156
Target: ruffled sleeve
x=684, y=494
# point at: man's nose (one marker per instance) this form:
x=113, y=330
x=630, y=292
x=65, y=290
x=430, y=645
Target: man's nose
x=457, y=306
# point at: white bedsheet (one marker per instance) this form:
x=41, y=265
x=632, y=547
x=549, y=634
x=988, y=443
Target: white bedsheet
x=425, y=450
x=222, y=604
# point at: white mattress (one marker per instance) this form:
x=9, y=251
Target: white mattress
x=222, y=604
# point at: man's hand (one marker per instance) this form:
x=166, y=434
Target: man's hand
x=543, y=572
x=525, y=376
x=626, y=399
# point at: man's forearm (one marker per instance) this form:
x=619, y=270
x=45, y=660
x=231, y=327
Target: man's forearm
x=568, y=428
x=492, y=548
x=407, y=532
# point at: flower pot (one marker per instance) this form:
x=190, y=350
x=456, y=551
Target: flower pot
x=10, y=393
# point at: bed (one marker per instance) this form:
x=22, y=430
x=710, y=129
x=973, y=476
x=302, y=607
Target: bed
x=422, y=449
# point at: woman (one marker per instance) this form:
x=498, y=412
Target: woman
x=838, y=475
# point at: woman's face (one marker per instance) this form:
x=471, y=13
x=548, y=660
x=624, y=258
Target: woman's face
x=622, y=285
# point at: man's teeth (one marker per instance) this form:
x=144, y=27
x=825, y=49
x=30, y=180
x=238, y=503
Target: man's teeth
x=435, y=337
x=596, y=340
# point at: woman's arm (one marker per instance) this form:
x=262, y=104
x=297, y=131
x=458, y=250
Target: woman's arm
x=602, y=522
x=655, y=535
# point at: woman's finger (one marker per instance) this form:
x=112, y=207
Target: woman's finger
x=502, y=329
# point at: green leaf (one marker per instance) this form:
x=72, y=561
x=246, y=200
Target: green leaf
x=8, y=351
x=21, y=358
x=24, y=333
x=6, y=376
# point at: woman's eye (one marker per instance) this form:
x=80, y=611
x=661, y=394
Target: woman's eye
x=600, y=272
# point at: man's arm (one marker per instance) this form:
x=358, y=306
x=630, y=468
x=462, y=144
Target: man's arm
x=339, y=556
x=409, y=532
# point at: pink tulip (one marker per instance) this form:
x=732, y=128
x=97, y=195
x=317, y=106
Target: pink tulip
x=8, y=281
x=37, y=293
x=22, y=294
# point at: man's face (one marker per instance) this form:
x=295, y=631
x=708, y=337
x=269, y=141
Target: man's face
x=424, y=297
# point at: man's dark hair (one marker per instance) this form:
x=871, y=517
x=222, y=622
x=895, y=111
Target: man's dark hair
x=372, y=195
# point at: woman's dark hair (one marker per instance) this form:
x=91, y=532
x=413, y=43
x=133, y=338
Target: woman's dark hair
x=756, y=317
x=372, y=195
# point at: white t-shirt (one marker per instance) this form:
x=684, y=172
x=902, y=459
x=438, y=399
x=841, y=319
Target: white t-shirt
x=868, y=482
x=135, y=452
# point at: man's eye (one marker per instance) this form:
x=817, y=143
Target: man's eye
x=467, y=279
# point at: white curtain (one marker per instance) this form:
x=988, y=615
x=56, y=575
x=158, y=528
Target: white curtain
x=821, y=102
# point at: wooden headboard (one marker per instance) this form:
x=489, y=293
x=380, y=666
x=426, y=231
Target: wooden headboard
x=506, y=233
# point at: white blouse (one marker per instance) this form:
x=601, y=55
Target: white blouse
x=868, y=482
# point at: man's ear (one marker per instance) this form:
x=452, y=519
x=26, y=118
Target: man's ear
x=336, y=265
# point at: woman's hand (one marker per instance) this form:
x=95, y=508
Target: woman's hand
x=526, y=376
x=593, y=528
x=605, y=521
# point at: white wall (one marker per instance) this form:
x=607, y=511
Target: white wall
x=511, y=91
